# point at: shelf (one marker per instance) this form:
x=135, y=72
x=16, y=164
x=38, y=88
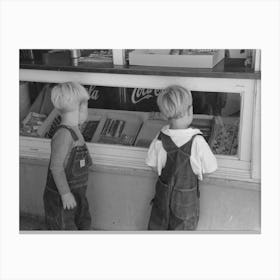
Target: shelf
x=228, y=68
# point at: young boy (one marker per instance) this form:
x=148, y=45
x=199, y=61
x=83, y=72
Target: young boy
x=180, y=155
x=65, y=202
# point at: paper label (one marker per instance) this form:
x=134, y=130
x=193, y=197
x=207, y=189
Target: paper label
x=82, y=163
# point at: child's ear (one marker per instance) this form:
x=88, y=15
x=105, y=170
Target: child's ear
x=190, y=110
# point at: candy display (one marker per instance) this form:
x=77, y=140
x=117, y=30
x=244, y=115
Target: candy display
x=225, y=136
x=123, y=140
x=120, y=128
x=112, y=131
x=89, y=128
x=194, y=58
x=31, y=124
x=54, y=125
x=204, y=125
x=148, y=132
x=145, y=143
x=113, y=128
x=102, y=55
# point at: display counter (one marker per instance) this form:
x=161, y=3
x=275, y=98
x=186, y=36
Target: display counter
x=124, y=118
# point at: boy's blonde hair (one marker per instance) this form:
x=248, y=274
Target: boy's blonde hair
x=68, y=96
x=174, y=102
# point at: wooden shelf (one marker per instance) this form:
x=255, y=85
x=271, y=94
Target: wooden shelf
x=227, y=68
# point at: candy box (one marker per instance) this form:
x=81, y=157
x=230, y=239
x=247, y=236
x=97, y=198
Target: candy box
x=177, y=58
x=32, y=123
x=224, y=136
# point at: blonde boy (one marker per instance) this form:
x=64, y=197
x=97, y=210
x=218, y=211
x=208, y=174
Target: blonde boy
x=180, y=156
x=65, y=202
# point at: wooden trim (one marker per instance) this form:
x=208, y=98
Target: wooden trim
x=130, y=158
x=221, y=70
x=141, y=81
x=256, y=134
x=246, y=120
x=224, y=182
x=118, y=56
x=257, y=60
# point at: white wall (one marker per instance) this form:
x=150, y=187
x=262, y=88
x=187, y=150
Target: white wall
x=120, y=199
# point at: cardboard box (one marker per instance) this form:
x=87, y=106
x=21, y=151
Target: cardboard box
x=193, y=60
x=239, y=53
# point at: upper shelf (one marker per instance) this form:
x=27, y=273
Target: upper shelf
x=227, y=68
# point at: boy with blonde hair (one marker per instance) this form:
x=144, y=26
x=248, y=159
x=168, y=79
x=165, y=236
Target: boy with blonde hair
x=65, y=202
x=180, y=156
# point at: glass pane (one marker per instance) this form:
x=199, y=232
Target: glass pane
x=130, y=116
x=224, y=109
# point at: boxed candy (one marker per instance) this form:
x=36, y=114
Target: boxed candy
x=32, y=123
x=193, y=58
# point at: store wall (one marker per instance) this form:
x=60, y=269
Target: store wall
x=120, y=199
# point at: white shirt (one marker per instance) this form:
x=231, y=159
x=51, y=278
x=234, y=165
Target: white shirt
x=202, y=159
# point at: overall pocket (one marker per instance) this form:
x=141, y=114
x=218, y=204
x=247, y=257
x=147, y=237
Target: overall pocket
x=80, y=163
x=185, y=203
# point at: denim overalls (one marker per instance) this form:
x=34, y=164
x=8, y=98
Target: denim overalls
x=176, y=201
x=77, y=177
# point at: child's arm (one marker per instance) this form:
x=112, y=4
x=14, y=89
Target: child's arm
x=203, y=160
x=60, y=147
x=156, y=156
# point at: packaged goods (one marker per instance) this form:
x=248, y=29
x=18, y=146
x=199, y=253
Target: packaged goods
x=194, y=58
x=225, y=136
x=112, y=131
x=113, y=128
x=56, y=122
x=120, y=128
x=31, y=124
x=88, y=129
x=145, y=143
x=148, y=132
x=204, y=124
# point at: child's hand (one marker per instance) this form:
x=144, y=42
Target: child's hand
x=68, y=201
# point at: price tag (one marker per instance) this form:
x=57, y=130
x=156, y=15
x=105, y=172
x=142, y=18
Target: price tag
x=82, y=162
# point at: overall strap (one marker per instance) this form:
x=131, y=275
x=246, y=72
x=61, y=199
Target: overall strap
x=73, y=133
x=187, y=146
x=167, y=142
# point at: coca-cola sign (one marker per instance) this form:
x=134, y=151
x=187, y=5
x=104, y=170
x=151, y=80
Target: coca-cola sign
x=103, y=97
x=140, y=94
x=93, y=93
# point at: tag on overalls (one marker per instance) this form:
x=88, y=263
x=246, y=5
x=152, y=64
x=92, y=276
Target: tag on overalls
x=82, y=162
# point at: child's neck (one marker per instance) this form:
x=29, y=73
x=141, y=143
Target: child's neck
x=70, y=118
x=182, y=123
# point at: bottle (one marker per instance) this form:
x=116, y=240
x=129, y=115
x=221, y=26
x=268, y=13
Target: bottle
x=75, y=55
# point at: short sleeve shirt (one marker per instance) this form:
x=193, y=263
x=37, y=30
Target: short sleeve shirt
x=202, y=159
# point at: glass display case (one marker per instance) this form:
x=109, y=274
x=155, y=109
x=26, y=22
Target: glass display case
x=223, y=106
x=131, y=117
